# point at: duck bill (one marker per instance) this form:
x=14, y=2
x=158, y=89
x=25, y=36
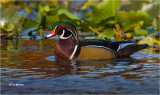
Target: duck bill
x=52, y=34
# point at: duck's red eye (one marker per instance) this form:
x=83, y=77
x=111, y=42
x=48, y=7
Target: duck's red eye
x=59, y=27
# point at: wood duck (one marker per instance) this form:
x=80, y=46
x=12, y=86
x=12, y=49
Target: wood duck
x=70, y=47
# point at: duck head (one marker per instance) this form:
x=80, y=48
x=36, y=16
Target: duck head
x=67, y=45
x=64, y=30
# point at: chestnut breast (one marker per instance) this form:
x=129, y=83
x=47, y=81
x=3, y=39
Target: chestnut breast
x=64, y=48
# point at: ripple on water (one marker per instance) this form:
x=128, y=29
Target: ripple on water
x=142, y=56
x=138, y=74
x=51, y=58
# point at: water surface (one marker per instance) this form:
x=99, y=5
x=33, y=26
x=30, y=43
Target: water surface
x=30, y=67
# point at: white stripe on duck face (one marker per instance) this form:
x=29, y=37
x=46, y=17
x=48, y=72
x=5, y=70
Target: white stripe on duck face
x=102, y=47
x=73, y=34
x=70, y=36
x=62, y=36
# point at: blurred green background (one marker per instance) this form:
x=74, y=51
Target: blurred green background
x=107, y=19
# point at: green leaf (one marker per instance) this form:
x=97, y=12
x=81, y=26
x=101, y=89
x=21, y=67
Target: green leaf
x=131, y=19
x=105, y=9
x=150, y=41
x=106, y=33
x=52, y=19
x=140, y=32
x=68, y=14
x=30, y=23
x=9, y=26
x=53, y=11
x=108, y=23
x=134, y=26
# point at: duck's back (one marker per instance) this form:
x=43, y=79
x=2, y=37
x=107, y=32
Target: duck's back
x=101, y=49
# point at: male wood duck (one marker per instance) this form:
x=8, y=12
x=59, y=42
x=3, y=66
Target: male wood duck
x=70, y=47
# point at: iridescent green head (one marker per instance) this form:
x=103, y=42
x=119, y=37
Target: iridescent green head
x=64, y=30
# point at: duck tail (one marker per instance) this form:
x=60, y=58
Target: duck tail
x=130, y=49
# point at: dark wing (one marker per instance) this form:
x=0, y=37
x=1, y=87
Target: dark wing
x=95, y=42
x=123, y=44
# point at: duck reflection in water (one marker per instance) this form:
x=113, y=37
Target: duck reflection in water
x=101, y=68
x=63, y=67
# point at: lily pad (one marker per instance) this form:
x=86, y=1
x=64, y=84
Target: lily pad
x=105, y=9
x=132, y=18
x=9, y=26
x=107, y=33
x=141, y=32
x=68, y=14
x=150, y=41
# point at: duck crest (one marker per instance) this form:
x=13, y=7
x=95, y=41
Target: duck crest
x=68, y=26
x=64, y=48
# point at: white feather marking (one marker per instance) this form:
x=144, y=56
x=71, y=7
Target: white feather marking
x=119, y=47
x=61, y=37
x=74, y=51
x=62, y=34
x=101, y=47
x=125, y=44
x=73, y=34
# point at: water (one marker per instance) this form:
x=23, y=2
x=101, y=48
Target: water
x=30, y=67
